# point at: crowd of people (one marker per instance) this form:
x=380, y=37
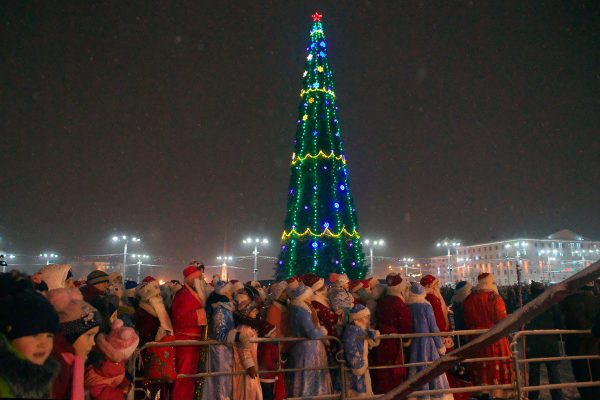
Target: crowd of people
x=67, y=339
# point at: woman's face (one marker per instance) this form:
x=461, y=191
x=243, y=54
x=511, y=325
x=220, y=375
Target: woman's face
x=84, y=343
x=35, y=348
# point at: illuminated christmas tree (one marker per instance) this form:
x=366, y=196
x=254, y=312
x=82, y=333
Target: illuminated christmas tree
x=321, y=227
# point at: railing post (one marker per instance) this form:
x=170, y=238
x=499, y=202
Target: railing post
x=515, y=357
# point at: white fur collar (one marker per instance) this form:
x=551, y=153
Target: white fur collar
x=417, y=299
x=397, y=291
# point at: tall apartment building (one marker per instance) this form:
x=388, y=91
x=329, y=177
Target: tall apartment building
x=549, y=259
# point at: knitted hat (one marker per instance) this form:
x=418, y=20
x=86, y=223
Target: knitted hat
x=236, y=285
x=359, y=311
x=55, y=275
x=130, y=288
x=428, y=280
x=75, y=315
x=96, y=277
x=355, y=286
x=302, y=293
x=393, y=279
x=120, y=343
x=339, y=279
x=23, y=311
x=312, y=281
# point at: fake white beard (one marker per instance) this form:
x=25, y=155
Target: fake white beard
x=199, y=288
x=161, y=313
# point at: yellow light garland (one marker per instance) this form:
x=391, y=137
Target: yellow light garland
x=330, y=92
x=320, y=154
x=326, y=232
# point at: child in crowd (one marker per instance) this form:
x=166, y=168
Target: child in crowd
x=105, y=379
x=79, y=324
x=28, y=323
x=358, y=338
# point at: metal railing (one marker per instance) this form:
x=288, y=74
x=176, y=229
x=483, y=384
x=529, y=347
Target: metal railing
x=517, y=359
x=521, y=362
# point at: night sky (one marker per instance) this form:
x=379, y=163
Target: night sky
x=175, y=121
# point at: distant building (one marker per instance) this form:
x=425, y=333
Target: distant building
x=550, y=259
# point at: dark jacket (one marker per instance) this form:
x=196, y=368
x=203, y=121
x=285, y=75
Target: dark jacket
x=580, y=310
x=20, y=378
x=544, y=345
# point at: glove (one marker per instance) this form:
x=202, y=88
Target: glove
x=373, y=334
x=448, y=342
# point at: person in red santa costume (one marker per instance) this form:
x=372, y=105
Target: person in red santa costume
x=189, y=323
x=483, y=309
x=392, y=316
x=320, y=302
x=440, y=309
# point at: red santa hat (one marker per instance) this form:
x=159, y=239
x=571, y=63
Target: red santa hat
x=393, y=279
x=312, y=281
x=148, y=279
x=339, y=279
x=428, y=280
x=236, y=285
x=486, y=281
x=355, y=286
x=293, y=282
x=191, y=272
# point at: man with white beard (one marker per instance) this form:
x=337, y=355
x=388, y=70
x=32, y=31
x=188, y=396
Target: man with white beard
x=189, y=322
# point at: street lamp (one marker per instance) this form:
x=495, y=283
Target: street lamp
x=224, y=260
x=371, y=244
x=448, y=244
x=125, y=239
x=255, y=242
x=48, y=257
x=407, y=260
x=139, y=264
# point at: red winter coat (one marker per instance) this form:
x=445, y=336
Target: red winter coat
x=393, y=316
x=268, y=360
x=440, y=319
x=107, y=381
x=327, y=318
x=187, y=314
x=482, y=310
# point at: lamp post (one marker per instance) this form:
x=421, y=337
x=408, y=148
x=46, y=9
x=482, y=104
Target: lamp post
x=255, y=242
x=371, y=244
x=448, y=244
x=139, y=264
x=48, y=257
x=224, y=260
x=406, y=260
x=125, y=240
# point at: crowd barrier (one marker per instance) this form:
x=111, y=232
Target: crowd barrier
x=518, y=359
